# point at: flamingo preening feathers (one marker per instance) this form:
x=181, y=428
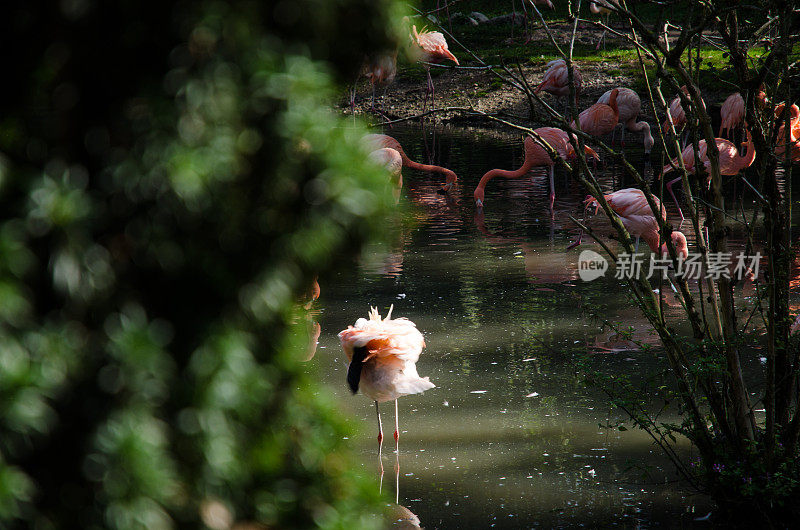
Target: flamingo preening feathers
x=631, y=205
x=600, y=118
x=383, y=353
x=629, y=106
x=556, y=80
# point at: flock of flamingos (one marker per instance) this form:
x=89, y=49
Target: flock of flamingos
x=383, y=352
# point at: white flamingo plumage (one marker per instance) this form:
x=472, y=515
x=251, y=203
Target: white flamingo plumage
x=383, y=353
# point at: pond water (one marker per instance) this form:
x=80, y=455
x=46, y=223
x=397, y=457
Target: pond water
x=510, y=437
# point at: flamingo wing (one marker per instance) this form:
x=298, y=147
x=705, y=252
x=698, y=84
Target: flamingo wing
x=557, y=139
x=732, y=112
x=629, y=104
x=435, y=45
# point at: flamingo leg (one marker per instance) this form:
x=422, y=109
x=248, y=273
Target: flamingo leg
x=580, y=233
x=397, y=479
x=669, y=189
x=636, y=248
x=552, y=171
x=433, y=95
x=397, y=456
x=396, y=429
x=380, y=437
x=622, y=142
x=428, y=92
x=601, y=40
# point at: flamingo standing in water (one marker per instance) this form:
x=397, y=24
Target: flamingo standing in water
x=794, y=132
x=732, y=111
x=431, y=48
x=383, y=353
x=629, y=106
x=535, y=155
x=600, y=118
x=556, y=80
x=393, y=162
x=631, y=205
x=377, y=141
x=731, y=114
x=677, y=113
x=730, y=161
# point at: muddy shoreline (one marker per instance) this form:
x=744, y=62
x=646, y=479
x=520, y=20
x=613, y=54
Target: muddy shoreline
x=481, y=89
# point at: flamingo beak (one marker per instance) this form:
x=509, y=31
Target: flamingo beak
x=444, y=189
x=479, y=204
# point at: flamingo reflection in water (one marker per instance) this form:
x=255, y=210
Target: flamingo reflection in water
x=383, y=353
x=312, y=326
x=542, y=268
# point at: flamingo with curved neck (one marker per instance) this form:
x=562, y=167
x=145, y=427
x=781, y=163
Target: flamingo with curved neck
x=629, y=106
x=730, y=161
x=535, y=156
x=377, y=141
x=556, y=80
x=600, y=118
x=631, y=205
x=794, y=132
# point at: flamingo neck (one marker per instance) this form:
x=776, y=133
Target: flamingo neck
x=449, y=175
x=747, y=160
x=651, y=238
x=612, y=102
x=638, y=126
x=526, y=166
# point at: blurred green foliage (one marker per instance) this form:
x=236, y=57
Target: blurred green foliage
x=171, y=180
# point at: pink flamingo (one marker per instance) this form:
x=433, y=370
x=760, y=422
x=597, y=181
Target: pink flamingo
x=630, y=204
x=731, y=113
x=432, y=48
x=376, y=141
x=542, y=3
x=629, y=106
x=600, y=118
x=678, y=114
x=794, y=132
x=602, y=8
x=380, y=70
x=383, y=353
x=730, y=161
x=393, y=162
x=556, y=80
x=535, y=155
